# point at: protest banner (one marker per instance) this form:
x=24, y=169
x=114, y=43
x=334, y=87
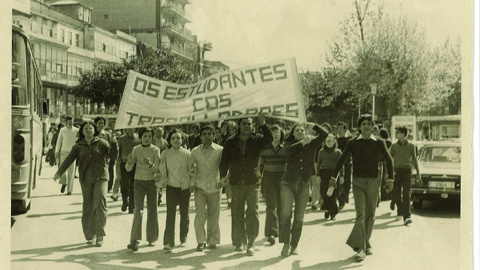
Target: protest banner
x=271, y=88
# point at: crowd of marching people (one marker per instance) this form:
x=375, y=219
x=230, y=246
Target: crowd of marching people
x=288, y=166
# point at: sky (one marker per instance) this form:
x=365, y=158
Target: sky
x=248, y=32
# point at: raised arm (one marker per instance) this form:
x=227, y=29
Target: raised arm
x=267, y=135
x=322, y=135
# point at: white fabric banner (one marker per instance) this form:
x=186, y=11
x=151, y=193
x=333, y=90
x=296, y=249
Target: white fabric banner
x=272, y=88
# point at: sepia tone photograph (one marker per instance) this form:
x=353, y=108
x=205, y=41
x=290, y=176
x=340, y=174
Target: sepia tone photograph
x=314, y=134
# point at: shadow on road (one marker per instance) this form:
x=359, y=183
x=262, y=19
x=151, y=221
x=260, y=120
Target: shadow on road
x=126, y=259
x=348, y=263
x=439, y=209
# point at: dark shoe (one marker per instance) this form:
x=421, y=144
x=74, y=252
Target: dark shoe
x=314, y=207
x=69, y=193
x=250, y=251
x=340, y=207
x=271, y=240
x=285, y=250
x=327, y=215
x=200, y=247
x=62, y=189
x=133, y=246
x=124, y=207
x=213, y=246
x=99, y=241
x=332, y=218
x=293, y=250
x=114, y=198
x=239, y=248
x=407, y=221
x=392, y=205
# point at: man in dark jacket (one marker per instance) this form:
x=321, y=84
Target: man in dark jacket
x=366, y=151
x=240, y=158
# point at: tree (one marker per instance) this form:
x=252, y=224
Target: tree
x=106, y=81
x=443, y=91
x=391, y=51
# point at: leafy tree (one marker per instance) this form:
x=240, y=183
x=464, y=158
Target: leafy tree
x=374, y=47
x=106, y=81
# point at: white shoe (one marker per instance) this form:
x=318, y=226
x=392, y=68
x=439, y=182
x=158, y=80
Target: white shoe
x=167, y=248
x=360, y=256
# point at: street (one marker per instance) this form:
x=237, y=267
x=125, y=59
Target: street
x=50, y=236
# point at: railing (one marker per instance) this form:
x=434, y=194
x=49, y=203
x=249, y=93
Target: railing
x=177, y=10
x=187, y=34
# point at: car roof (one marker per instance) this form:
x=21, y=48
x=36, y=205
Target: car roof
x=438, y=144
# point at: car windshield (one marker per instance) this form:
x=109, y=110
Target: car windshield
x=441, y=154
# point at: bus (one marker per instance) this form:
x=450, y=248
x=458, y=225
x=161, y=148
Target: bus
x=28, y=108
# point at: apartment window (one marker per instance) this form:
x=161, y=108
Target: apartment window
x=62, y=35
x=77, y=40
x=43, y=29
x=70, y=38
x=104, y=47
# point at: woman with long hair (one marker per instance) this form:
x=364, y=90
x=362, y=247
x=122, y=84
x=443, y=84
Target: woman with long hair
x=92, y=154
x=300, y=150
x=327, y=158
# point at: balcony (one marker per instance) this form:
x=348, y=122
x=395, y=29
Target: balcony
x=175, y=11
x=181, y=52
x=58, y=78
x=177, y=31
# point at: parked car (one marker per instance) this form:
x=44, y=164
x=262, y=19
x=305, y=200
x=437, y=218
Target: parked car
x=440, y=167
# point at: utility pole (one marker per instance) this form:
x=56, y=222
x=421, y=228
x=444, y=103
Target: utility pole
x=158, y=23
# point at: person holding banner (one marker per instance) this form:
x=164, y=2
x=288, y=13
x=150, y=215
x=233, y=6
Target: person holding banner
x=176, y=166
x=300, y=150
x=240, y=156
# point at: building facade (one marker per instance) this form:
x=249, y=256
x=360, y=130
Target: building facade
x=156, y=23
x=65, y=43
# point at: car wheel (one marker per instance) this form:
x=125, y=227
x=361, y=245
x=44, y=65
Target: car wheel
x=417, y=204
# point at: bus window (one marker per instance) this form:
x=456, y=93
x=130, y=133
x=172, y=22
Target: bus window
x=20, y=91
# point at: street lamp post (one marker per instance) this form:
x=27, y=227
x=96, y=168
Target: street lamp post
x=373, y=87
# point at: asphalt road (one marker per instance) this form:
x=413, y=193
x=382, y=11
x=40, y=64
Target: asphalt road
x=49, y=236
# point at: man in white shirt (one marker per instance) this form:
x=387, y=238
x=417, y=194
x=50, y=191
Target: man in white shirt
x=66, y=140
x=206, y=158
